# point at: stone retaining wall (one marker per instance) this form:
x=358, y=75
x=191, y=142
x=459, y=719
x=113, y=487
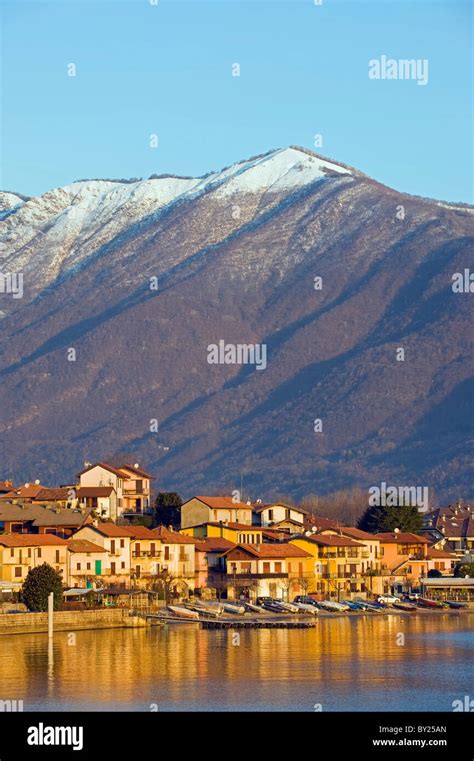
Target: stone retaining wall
x=67, y=620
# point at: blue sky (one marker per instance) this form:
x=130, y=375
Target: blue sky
x=166, y=69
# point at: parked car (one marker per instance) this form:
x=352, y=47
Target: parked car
x=388, y=599
x=264, y=600
x=306, y=600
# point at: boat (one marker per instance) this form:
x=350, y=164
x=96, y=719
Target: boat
x=211, y=606
x=274, y=607
x=204, y=611
x=177, y=610
x=408, y=606
x=351, y=605
x=305, y=608
x=289, y=606
x=231, y=607
x=456, y=604
x=334, y=607
x=251, y=607
x=425, y=602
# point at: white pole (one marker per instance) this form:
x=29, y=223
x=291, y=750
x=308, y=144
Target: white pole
x=50, y=614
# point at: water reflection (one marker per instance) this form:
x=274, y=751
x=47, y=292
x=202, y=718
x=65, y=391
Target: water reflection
x=345, y=664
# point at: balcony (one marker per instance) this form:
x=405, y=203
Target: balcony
x=146, y=554
x=239, y=576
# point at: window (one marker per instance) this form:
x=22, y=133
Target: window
x=245, y=567
x=18, y=571
x=182, y=552
x=167, y=553
x=12, y=553
x=289, y=567
x=122, y=565
x=300, y=569
x=29, y=552
x=112, y=546
x=57, y=556
x=40, y=552
x=152, y=549
x=277, y=567
x=270, y=515
x=122, y=543
x=266, y=568
x=88, y=566
x=137, y=549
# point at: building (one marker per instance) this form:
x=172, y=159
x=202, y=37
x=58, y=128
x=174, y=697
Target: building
x=199, y=510
x=116, y=541
x=177, y=559
x=336, y=571
x=448, y=588
x=274, y=570
x=371, y=555
x=209, y=563
x=86, y=562
x=130, y=484
x=19, y=553
x=279, y=515
x=146, y=557
x=405, y=556
x=237, y=533
x=136, y=489
x=26, y=518
x=101, y=499
x=451, y=528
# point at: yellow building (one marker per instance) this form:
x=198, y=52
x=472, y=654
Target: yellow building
x=199, y=510
x=146, y=556
x=336, y=565
x=238, y=533
x=177, y=559
x=19, y=553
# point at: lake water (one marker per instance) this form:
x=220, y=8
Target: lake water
x=347, y=663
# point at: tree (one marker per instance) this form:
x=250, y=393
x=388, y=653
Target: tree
x=380, y=519
x=464, y=569
x=37, y=586
x=434, y=573
x=168, y=509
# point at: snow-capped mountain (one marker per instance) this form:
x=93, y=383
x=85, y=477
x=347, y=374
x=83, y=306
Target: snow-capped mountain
x=140, y=277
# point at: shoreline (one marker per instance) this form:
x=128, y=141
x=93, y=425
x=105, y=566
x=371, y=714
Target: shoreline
x=67, y=621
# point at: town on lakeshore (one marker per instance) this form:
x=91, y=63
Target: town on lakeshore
x=109, y=545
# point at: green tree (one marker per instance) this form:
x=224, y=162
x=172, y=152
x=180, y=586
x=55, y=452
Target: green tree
x=380, y=519
x=434, y=573
x=37, y=586
x=464, y=569
x=168, y=509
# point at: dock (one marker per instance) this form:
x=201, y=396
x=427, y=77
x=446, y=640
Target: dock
x=263, y=623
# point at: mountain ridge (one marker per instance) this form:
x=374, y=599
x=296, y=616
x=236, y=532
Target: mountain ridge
x=242, y=271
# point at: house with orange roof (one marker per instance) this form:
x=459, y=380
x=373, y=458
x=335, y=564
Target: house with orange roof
x=370, y=558
x=405, y=556
x=199, y=510
x=19, y=553
x=85, y=562
x=28, y=518
x=238, y=533
x=177, y=559
x=209, y=564
x=116, y=541
x=136, y=488
x=131, y=486
x=279, y=515
x=336, y=569
x=276, y=570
